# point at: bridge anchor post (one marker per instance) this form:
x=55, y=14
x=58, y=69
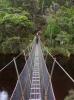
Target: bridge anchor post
x=18, y=77
x=53, y=67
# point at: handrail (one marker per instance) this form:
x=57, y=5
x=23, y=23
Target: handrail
x=15, y=58
x=21, y=72
x=49, y=78
x=59, y=64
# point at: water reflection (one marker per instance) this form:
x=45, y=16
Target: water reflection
x=3, y=95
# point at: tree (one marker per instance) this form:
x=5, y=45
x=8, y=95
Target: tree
x=60, y=29
x=4, y=3
x=52, y=30
x=14, y=24
x=63, y=38
x=11, y=45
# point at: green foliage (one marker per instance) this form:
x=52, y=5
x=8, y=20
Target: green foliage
x=20, y=18
x=15, y=25
x=60, y=28
x=52, y=27
x=1, y=37
x=66, y=19
x=11, y=45
x=17, y=19
x=60, y=50
x=52, y=30
x=70, y=96
x=63, y=38
x=4, y=3
x=67, y=3
x=47, y=3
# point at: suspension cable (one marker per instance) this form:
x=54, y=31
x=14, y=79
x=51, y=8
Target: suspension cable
x=59, y=65
x=15, y=58
x=6, y=66
x=18, y=77
x=50, y=78
x=65, y=71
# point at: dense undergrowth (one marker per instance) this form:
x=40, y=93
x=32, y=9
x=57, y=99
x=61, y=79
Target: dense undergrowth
x=59, y=32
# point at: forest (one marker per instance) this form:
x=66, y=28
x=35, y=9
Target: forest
x=21, y=19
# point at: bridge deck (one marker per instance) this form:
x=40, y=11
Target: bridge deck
x=35, y=91
x=34, y=79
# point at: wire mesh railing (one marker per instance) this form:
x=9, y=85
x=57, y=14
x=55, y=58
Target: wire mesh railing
x=46, y=81
x=19, y=86
x=56, y=62
x=26, y=51
x=22, y=91
x=23, y=85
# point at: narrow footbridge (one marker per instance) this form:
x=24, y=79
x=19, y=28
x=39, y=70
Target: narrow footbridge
x=34, y=82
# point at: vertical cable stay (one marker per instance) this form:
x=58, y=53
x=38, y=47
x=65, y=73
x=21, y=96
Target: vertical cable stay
x=18, y=78
x=53, y=67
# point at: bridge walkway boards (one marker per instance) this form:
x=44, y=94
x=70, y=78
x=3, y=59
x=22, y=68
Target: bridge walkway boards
x=35, y=91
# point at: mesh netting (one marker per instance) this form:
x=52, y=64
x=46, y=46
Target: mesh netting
x=26, y=78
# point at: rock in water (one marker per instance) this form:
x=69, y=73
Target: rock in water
x=3, y=95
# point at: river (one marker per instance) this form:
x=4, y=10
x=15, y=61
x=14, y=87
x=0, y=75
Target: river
x=61, y=83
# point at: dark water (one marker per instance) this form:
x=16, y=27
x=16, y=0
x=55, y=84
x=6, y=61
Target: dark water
x=61, y=83
x=8, y=77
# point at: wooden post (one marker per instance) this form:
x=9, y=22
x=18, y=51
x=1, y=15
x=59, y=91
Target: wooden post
x=53, y=67
x=18, y=77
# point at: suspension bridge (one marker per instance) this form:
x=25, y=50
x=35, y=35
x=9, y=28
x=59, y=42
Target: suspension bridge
x=34, y=82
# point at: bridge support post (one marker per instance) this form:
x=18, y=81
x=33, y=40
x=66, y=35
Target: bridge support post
x=53, y=67
x=24, y=55
x=18, y=77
